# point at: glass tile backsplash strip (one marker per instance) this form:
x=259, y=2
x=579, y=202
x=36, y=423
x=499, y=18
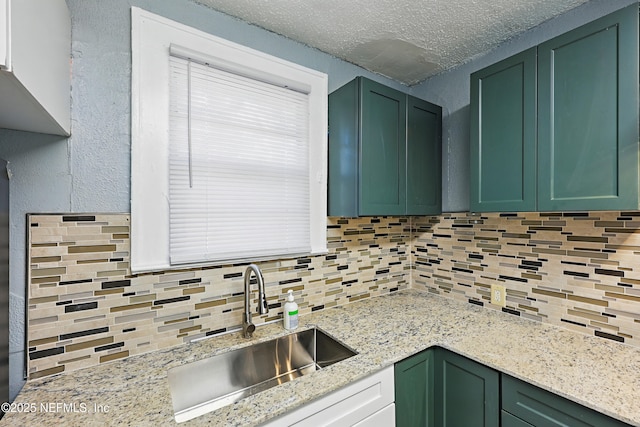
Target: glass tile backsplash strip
x=85, y=308
x=576, y=270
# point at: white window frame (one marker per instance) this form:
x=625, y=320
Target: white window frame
x=151, y=39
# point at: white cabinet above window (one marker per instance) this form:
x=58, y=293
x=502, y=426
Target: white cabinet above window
x=35, y=72
x=4, y=36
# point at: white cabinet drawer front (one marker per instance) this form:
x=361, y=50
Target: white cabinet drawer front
x=385, y=417
x=346, y=406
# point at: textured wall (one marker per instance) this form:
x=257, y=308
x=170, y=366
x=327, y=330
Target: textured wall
x=40, y=182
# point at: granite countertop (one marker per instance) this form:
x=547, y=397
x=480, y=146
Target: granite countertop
x=595, y=372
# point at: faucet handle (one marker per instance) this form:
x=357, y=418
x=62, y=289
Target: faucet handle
x=263, y=307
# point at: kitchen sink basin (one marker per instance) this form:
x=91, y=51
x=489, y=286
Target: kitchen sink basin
x=206, y=385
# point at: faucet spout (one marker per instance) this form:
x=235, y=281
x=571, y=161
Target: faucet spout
x=263, y=308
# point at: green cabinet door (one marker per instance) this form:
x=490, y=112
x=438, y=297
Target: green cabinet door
x=538, y=407
x=439, y=388
x=424, y=157
x=560, y=132
x=508, y=420
x=344, y=137
x=588, y=116
x=382, y=150
x=467, y=393
x=503, y=135
x=414, y=382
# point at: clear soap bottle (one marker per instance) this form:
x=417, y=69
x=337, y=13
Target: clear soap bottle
x=290, y=312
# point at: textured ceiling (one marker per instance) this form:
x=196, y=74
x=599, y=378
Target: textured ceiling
x=406, y=40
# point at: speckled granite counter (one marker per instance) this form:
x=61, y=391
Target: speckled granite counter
x=594, y=372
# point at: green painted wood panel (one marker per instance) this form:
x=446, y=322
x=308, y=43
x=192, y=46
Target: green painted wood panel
x=382, y=150
x=503, y=135
x=385, y=155
x=467, y=393
x=343, y=151
x=541, y=408
x=424, y=157
x=414, y=390
x=508, y=420
x=588, y=116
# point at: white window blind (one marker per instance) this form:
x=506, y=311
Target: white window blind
x=238, y=220
x=238, y=166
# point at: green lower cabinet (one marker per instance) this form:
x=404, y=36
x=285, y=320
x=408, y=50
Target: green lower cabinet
x=414, y=386
x=531, y=405
x=508, y=420
x=467, y=393
x=439, y=388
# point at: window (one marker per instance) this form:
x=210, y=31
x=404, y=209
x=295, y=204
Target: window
x=228, y=150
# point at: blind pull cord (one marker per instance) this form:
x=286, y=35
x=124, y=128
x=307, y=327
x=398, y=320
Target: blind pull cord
x=189, y=120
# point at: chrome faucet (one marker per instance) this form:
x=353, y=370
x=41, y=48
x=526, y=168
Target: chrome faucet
x=247, y=326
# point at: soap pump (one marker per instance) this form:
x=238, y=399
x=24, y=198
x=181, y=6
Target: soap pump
x=290, y=312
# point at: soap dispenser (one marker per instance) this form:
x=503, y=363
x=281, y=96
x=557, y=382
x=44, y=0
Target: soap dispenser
x=290, y=312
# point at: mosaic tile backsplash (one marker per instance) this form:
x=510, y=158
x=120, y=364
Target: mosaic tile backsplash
x=576, y=270
x=84, y=307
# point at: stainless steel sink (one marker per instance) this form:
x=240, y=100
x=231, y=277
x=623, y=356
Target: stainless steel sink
x=206, y=385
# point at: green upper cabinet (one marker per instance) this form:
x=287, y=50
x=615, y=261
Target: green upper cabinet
x=556, y=127
x=503, y=135
x=588, y=116
x=424, y=157
x=384, y=152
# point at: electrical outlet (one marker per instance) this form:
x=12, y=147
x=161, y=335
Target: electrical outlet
x=498, y=295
